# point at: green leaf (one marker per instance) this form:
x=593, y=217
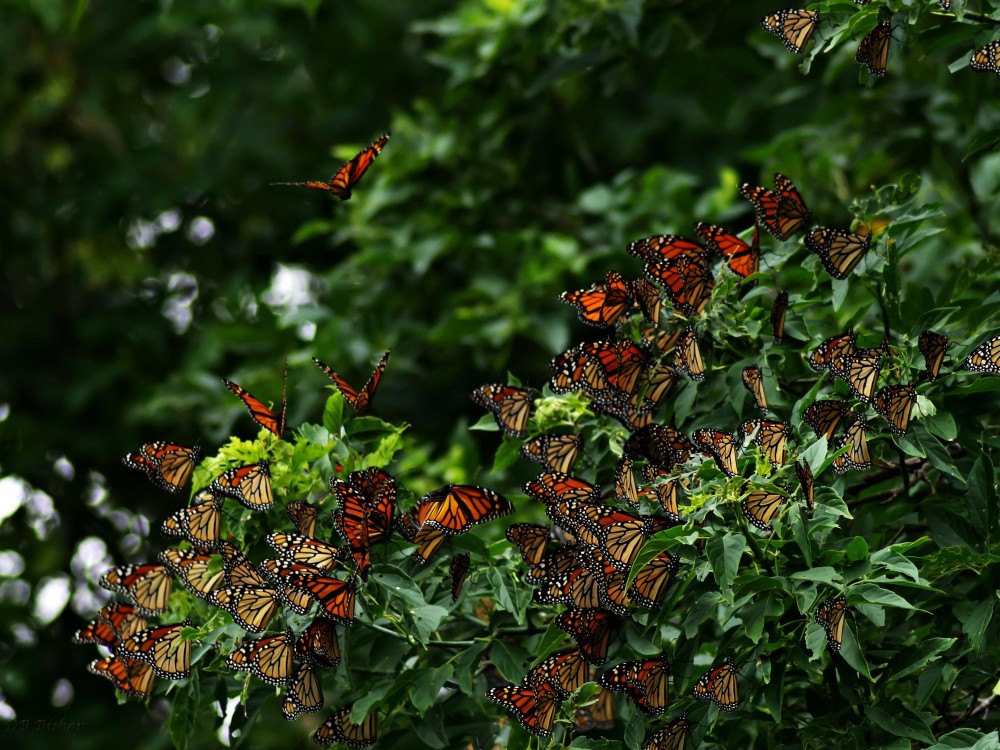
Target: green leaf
x=975, y=618
x=427, y=684
x=914, y=658
x=819, y=575
x=333, y=413
x=878, y=595
x=184, y=712
x=374, y=693
x=427, y=619
x=857, y=549
x=507, y=455
x=901, y=722
x=981, y=499
x=724, y=556
x=465, y=666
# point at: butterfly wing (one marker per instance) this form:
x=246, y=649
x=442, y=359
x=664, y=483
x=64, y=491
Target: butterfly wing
x=348, y=175
x=778, y=310
x=985, y=357
x=839, y=250
x=742, y=258
x=933, y=346
x=874, y=49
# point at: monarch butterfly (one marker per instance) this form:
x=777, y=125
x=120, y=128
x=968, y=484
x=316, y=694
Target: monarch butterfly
x=348, y=175
x=200, y=574
x=605, y=304
x=621, y=364
x=303, y=694
x=352, y=523
x=644, y=681
x=530, y=540
x=719, y=686
x=591, y=629
x=861, y=371
x=301, y=549
x=778, y=310
x=250, y=485
x=147, y=585
x=168, y=465
x=687, y=356
x=743, y=259
x=252, y=607
x=663, y=445
x=824, y=417
x=753, y=381
x=610, y=581
x=632, y=417
x=760, y=508
x=555, y=564
x=621, y=534
x=985, y=357
x=770, y=438
x=857, y=457
x=647, y=298
x=510, y=406
x=268, y=659
x=573, y=370
x=114, y=622
x=670, y=737
x=162, y=648
x=805, y=475
x=303, y=516
x=277, y=570
x=564, y=670
x=534, y=707
x=456, y=507
x=839, y=250
x=340, y=728
x=458, y=570
x=553, y=452
x=719, y=445
x=576, y=587
x=360, y=400
x=987, y=59
x=793, y=27
x=626, y=488
x=318, y=643
x=427, y=538
x=933, y=347
x=238, y=570
x=660, y=248
x=666, y=495
x=687, y=282
x=659, y=381
x=650, y=584
x=894, y=403
x=783, y=212
x=600, y=714
x=874, y=49
x=198, y=523
x=830, y=616
x=664, y=341
x=833, y=347
x=336, y=597
x=260, y=413
x=133, y=678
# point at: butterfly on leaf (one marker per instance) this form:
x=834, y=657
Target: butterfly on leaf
x=778, y=310
x=805, y=477
x=664, y=445
x=591, y=629
x=753, y=381
x=360, y=400
x=631, y=415
x=645, y=681
x=565, y=671
x=597, y=715
x=268, y=659
x=318, y=644
x=534, y=707
x=530, y=539
x=198, y=523
x=339, y=728
x=510, y=406
x=985, y=357
x=839, y=250
x=130, y=677
x=651, y=582
x=162, y=647
x=769, y=436
x=833, y=347
x=335, y=597
x=200, y=574
x=742, y=258
x=987, y=59
x=250, y=485
x=719, y=686
x=303, y=692
x=857, y=457
x=860, y=370
x=661, y=248
x=670, y=737
x=782, y=212
x=830, y=616
x=457, y=571
x=895, y=403
x=793, y=27
x=825, y=416
x=303, y=515
x=687, y=356
x=168, y=465
x=687, y=282
x=114, y=622
x=260, y=413
x=605, y=304
x=148, y=586
x=252, y=607
x=933, y=346
x=553, y=452
x=874, y=49
x=348, y=175
x=761, y=507
x=719, y=445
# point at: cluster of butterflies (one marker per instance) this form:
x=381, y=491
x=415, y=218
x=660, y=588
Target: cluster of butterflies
x=796, y=27
x=300, y=574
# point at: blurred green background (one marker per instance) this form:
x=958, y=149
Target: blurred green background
x=144, y=256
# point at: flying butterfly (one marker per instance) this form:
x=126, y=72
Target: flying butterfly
x=591, y=629
x=554, y=452
x=360, y=400
x=753, y=381
x=933, y=346
x=534, y=707
x=268, y=659
x=833, y=347
x=168, y=465
x=770, y=437
x=793, y=27
x=348, y=175
x=719, y=686
x=830, y=616
x=783, y=212
x=839, y=250
x=719, y=445
x=148, y=586
x=250, y=485
x=198, y=523
x=825, y=416
x=670, y=737
x=985, y=357
x=303, y=693
x=805, y=476
x=987, y=59
x=163, y=648
x=260, y=413
x=874, y=49
x=687, y=356
x=760, y=508
x=458, y=570
x=455, y=508
x=302, y=549
x=621, y=364
x=605, y=304
x=340, y=728
x=778, y=310
x=510, y=406
x=743, y=259
x=895, y=403
x=351, y=521
x=114, y=622
x=857, y=457
x=661, y=248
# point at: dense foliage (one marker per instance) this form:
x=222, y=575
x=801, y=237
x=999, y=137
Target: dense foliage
x=145, y=257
